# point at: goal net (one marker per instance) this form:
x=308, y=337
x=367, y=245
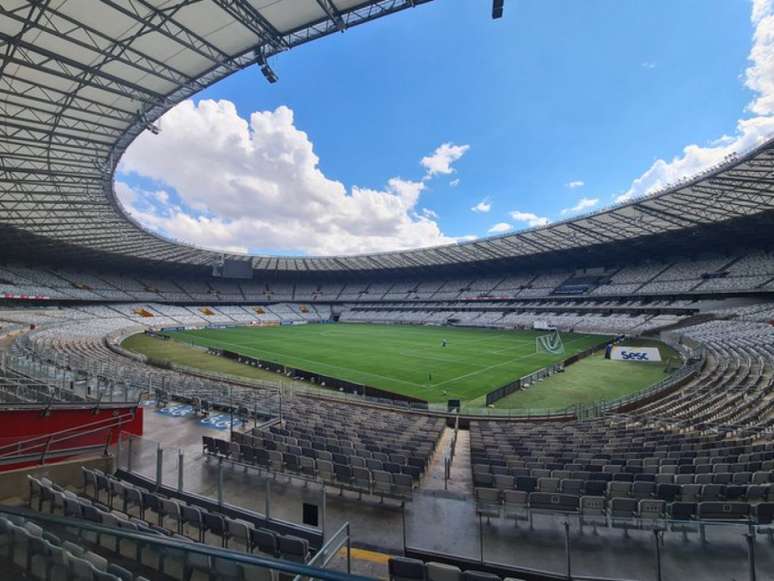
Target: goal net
x=550, y=343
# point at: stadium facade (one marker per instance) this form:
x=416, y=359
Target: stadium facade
x=692, y=264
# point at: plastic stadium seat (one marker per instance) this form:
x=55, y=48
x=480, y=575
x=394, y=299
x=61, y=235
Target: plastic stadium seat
x=516, y=505
x=239, y=531
x=264, y=541
x=593, y=512
x=651, y=513
x=479, y=576
x=668, y=492
x=192, y=516
x=405, y=569
x=215, y=524
x=683, y=515
x=554, y=502
x=621, y=512
x=293, y=548
x=442, y=572
x=488, y=502
x=763, y=516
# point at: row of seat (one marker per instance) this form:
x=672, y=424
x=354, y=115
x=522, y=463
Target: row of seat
x=639, y=489
x=359, y=457
x=406, y=569
x=384, y=443
x=43, y=556
x=626, y=513
x=151, y=506
x=742, y=473
x=345, y=477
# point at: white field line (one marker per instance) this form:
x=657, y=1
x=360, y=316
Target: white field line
x=493, y=366
x=257, y=351
x=329, y=365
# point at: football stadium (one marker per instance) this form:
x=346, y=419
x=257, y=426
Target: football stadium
x=585, y=398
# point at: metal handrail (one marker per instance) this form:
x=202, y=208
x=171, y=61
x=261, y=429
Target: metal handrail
x=74, y=432
x=241, y=557
x=330, y=549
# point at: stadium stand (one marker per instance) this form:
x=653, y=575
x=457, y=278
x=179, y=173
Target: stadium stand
x=689, y=458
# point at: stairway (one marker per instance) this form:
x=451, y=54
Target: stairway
x=461, y=481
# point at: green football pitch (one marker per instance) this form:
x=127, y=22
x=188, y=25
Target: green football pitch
x=409, y=360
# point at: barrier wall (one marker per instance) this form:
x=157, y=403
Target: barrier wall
x=50, y=435
x=18, y=425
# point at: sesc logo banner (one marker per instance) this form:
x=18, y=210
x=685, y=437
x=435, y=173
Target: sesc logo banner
x=622, y=353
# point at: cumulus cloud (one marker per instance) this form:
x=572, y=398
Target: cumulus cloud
x=255, y=183
x=454, y=183
x=529, y=218
x=500, y=228
x=750, y=131
x=440, y=162
x=482, y=207
x=583, y=204
x=575, y=184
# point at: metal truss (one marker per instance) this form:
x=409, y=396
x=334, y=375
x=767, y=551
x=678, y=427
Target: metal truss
x=80, y=81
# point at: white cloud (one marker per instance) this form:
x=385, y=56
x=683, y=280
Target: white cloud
x=500, y=227
x=428, y=213
x=454, y=183
x=751, y=131
x=583, y=204
x=482, y=207
x=759, y=76
x=575, y=184
x=531, y=219
x=440, y=162
x=255, y=183
x=650, y=65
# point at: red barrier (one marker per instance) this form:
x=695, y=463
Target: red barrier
x=42, y=433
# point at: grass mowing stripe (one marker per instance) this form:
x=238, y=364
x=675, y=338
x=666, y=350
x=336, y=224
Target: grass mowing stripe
x=399, y=358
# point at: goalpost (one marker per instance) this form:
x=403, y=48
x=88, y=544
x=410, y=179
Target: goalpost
x=550, y=343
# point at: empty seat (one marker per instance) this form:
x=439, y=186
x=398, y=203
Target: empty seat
x=293, y=548
x=622, y=512
x=553, y=502
x=405, y=569
x=264, y=541
x=593, y=511
x=488, y=502
x=442, y=572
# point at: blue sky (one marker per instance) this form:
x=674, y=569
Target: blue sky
x=557, y=102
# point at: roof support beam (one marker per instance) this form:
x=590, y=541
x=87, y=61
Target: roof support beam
x=244, y=13
x=333, y=13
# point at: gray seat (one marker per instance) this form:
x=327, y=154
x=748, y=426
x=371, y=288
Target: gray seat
x=293, y=548
x=442, y=572
x=405, y=569
x=479, y=576
x=488, y=502
x=622, y=512
x=593, y=512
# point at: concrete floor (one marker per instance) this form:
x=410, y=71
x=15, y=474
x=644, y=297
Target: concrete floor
x=444, y=519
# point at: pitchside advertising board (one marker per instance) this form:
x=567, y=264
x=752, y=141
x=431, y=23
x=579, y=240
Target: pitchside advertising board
x=623, y=353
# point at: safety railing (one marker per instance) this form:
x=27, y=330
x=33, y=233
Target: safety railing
x=554, y=544
x=339, y=540
x=94, y=436
x=83, y=379
x=448, y=453
x=208, y=558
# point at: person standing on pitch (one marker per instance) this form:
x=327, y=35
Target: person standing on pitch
x=444, y=342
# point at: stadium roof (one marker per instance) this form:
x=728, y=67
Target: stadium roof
x=80, y=80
